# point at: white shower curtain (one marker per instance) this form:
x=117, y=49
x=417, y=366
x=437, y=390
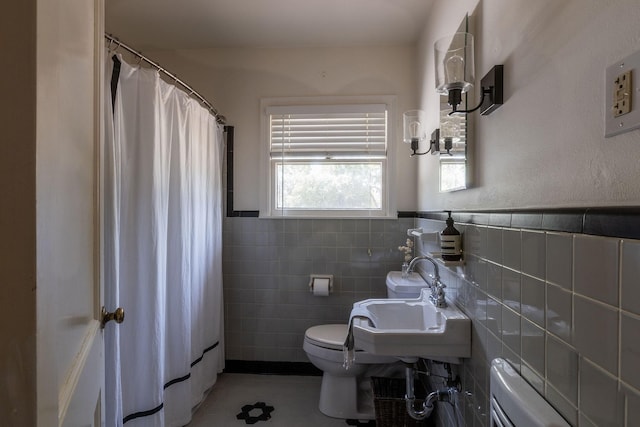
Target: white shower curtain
x=163, y=250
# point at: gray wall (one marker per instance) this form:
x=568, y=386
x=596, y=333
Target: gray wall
x=267, y=263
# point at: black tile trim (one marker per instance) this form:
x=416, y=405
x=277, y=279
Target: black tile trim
x=437, y=215
x=620, y=222
x=569, y=222
x=499, y=219
x=271, y=368
x=230, y=132
x=407, y=214
x=623, y=223
x=530, y=220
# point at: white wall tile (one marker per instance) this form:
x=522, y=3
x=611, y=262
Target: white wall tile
x=595, y=268
x=475, y=240
x=494, y=316
x=511, y=288
x=630, y=276
x=534, y=254
x=559, y=312
x=562, y=369
x=533, y=346
x=559, y=259
x=630, y=350
x=494, y=280
x=633, y=407
x=511, y=334
x=533, y=378
x=562, y=405
x=596, y=332
x=512, y=249
x=512, y=357
x=533, y=300
x=494, y=244
x=600, y=399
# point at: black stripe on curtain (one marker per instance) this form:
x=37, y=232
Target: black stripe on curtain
x=167, y=385
x=114, y=81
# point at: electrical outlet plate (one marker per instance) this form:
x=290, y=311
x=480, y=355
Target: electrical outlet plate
x=622, y=96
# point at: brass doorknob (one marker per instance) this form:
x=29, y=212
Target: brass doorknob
x=117, y=315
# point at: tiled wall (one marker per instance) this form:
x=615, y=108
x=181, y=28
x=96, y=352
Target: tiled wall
x=563, y=308
x=267, y=263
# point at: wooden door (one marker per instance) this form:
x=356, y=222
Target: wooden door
x=70, y=366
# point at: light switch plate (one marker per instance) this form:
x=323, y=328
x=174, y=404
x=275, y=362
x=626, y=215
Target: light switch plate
x=622, y=96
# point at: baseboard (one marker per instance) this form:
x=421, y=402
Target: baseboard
x=271, y=368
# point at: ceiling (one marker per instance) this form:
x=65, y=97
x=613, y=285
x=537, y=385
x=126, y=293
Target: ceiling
x=192, y=24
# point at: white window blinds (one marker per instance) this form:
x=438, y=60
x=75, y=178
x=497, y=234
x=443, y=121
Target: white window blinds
x=329, y=132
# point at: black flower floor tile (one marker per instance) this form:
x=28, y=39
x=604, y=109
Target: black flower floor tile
x=251, y=414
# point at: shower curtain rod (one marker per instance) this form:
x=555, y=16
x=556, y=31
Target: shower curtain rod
x=219, y=117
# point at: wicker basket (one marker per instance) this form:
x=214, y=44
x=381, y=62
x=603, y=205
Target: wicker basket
x=390, y=406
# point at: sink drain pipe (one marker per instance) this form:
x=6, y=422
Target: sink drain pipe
x=446, y=395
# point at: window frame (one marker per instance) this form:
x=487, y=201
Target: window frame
x=268, y=165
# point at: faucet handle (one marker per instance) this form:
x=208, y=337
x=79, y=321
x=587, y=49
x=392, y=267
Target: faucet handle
x=437, y=294
x=437, y=284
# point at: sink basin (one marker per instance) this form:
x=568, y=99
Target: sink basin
x=409, y=287
x=408, y=328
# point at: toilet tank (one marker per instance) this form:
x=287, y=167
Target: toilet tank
x=397, y=287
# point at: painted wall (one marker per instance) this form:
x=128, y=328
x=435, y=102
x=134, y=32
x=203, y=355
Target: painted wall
x=235, y=80
x=545, y=146
x=17, y=215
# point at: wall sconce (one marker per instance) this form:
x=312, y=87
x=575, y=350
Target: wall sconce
x=414, y=122
x=455, y=74
x=434, y=142
x=414, y=132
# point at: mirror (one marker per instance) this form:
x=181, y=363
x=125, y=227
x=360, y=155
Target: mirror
x=454, y=138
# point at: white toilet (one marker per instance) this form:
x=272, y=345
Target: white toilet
x=346, y=393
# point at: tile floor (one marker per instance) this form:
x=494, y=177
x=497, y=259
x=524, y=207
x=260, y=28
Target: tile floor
x=294, y=400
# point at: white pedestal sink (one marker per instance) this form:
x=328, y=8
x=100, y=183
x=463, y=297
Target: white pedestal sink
x=410, y=328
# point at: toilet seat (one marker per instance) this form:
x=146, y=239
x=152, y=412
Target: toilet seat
x=327, y=336
x=326, y=341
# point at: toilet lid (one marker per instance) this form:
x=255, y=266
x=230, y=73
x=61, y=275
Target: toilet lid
x=328, y=336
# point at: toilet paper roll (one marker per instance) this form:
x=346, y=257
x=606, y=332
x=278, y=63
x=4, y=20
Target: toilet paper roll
x=320, y=286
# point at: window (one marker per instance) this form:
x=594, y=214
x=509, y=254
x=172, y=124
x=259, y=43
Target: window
x=328, y=160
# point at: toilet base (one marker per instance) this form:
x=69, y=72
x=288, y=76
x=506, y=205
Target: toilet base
x=346, y=397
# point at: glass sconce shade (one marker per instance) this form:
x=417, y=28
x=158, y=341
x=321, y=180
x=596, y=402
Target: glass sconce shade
x=414, y=122
x=454, y=63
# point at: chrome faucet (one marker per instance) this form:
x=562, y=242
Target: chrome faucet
x=437, y=297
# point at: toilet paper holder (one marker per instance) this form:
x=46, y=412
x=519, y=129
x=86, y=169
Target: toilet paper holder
x=313, y=278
